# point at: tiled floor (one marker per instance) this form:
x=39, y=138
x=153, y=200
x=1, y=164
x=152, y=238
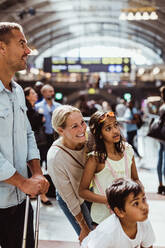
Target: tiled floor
x=55, y=226
x=58, y=244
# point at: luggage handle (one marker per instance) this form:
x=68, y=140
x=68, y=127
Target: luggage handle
x=36, y=222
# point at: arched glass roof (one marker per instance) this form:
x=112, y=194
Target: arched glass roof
x=66, y=25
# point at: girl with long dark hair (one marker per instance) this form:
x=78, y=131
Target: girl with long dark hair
x=112, y=158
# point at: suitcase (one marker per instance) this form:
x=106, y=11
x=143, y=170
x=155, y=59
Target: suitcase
x=36, y=222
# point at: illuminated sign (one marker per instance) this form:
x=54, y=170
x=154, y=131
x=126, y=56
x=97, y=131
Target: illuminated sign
x=71, y=64
x=127, y=97
x=58, y=96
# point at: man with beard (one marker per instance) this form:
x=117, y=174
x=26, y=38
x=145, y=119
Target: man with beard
x=17, y=143
x=46, y=107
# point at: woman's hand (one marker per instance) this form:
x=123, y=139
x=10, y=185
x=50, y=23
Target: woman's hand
x=83, y=225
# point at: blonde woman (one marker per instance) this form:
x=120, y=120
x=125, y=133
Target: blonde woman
x=66, y=158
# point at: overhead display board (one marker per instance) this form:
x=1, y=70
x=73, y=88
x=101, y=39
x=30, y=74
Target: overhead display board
x=73, y=64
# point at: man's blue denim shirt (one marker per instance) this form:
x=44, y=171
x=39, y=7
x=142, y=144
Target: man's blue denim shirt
x=17, y=142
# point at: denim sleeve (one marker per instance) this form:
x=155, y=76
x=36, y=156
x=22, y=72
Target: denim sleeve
x=6, y=168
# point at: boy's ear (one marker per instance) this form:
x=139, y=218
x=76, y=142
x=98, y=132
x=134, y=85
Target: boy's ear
x=119, y=212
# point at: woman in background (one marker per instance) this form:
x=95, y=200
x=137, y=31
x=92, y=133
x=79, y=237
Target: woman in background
x=36, y=121
x=161, y=157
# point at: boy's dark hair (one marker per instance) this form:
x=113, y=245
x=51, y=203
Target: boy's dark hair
x=5, y=30
x=95, y=127
x=118, y=192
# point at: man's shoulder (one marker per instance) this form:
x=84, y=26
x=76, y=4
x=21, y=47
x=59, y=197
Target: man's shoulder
x=39, y=104
x=17, y=86
x=56, y=104
x=19, y=92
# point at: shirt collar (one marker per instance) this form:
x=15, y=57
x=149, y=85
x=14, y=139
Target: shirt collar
x=45, y=102
x=2, y=87
x=13, y=84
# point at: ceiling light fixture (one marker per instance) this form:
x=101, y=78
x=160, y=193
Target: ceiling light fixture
x=138, y=14
x=123, y=16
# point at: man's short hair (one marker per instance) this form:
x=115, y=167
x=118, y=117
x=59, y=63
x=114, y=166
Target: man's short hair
x=46, y=87
x=118, y=192
x=5, y=30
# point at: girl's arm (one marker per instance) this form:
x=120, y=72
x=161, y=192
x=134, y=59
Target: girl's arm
x=134, y=174
x=88, y=174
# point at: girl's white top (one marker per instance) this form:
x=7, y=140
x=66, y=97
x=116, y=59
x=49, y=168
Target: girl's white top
x=100, y=211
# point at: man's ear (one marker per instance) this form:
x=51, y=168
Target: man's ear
x=119, y=212
x=2, y=47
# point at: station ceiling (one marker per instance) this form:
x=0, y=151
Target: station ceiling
x=53, y=22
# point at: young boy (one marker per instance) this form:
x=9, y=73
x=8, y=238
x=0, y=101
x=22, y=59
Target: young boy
x=128, y=227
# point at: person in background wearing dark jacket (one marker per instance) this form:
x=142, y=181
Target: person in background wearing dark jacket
x=161, y=159
x=36, y=120
x=37, y=87
x=131, y=126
